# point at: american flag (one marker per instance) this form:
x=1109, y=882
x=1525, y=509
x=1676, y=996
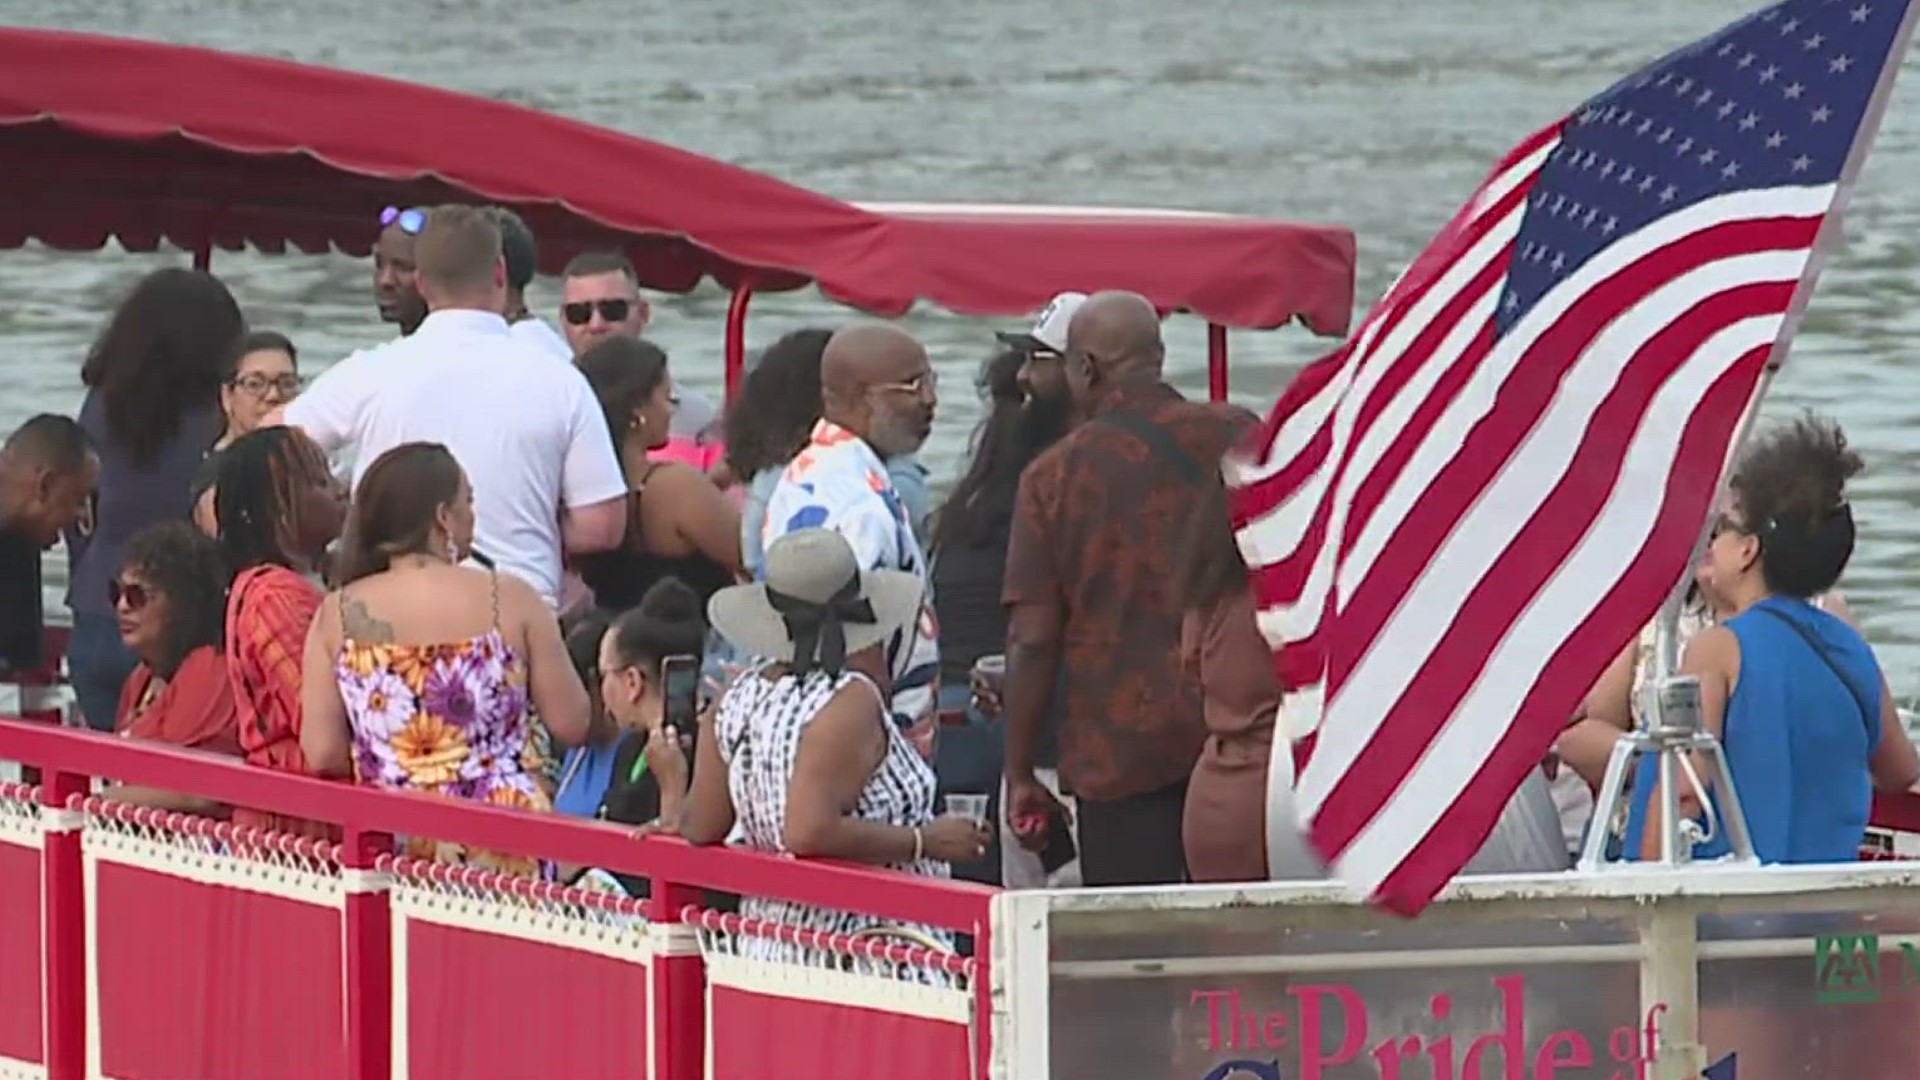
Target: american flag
x=1455, y=521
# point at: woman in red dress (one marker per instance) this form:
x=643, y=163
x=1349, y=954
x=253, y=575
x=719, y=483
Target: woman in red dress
x=167, y=599
x=278, y=508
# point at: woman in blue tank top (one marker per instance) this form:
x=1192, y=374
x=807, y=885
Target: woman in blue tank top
x=1793, y=692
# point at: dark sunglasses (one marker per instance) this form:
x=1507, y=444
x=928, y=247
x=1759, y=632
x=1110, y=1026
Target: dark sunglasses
x=135, y=595
x=410, y=220
x=581, y=312
x=258, y=384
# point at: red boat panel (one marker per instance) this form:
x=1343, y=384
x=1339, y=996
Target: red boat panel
x=114, y=138
x=214, y=982
x=21, y=1020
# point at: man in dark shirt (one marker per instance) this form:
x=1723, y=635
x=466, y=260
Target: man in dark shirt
x=47, y=478
x=1090, y=570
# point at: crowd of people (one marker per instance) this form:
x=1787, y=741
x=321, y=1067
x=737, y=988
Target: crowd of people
x=494, y=561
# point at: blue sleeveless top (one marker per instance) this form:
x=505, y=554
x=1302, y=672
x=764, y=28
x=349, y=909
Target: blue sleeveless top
x=1799, y=730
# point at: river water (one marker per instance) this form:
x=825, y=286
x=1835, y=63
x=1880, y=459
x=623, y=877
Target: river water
x=1378, y=114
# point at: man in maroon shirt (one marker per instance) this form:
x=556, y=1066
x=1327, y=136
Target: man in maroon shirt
x=1091, y=567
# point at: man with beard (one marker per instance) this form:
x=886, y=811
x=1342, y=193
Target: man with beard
x=878, y=393
x=1094, y=619
x=1028, y=409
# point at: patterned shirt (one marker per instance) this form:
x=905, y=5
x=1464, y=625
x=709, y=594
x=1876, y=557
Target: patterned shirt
x=1098, y=529
x=837, y=482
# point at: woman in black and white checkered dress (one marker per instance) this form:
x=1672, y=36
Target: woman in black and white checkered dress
x=801, y=751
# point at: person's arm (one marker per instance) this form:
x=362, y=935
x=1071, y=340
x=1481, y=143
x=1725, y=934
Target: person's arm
x=1610, y=699
x=1714, y=657
x=1894, y=764
x=706, y=814
x=329, y=410
x=700, y=515
x=593, y=490
x=838, y=752
x=552, y=683
x=326, y=738
x=1035, y=624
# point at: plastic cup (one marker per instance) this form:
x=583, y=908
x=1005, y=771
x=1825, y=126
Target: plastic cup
x=972, y=807
x=991, y=671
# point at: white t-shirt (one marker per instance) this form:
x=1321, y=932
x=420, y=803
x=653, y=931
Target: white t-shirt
x=535, y=330
x=532, y=441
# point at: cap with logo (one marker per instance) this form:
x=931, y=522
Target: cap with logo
x=1049, y=333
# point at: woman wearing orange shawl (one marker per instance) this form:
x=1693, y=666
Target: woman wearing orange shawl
x=168, y=601
x=277, y=508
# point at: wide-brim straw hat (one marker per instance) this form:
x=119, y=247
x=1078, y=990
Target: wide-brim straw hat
x=814, y=568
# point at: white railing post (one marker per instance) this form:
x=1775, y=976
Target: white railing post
x=1670, y=992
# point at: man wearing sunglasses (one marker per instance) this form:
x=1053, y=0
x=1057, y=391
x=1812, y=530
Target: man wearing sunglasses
x=600, y=299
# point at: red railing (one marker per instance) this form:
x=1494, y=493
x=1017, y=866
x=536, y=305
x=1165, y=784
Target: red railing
x=68, y=760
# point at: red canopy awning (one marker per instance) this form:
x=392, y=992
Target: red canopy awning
x=113, y=138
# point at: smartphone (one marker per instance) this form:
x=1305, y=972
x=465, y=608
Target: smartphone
x=1059, y=849
x=680, y=679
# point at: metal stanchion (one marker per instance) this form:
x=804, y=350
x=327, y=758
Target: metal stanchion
x=1671, y=730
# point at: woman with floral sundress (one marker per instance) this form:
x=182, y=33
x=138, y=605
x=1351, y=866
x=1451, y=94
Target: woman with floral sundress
x=419, y=672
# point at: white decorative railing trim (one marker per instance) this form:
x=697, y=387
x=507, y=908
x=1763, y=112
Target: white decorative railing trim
x=775, y=978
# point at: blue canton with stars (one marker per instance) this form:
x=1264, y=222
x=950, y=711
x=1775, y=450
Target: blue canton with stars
x=1774, y=100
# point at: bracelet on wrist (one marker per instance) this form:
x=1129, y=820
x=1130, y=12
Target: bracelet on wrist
x=919, y=844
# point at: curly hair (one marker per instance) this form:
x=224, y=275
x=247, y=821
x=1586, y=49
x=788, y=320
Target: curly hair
x=163, y=353
x=1791, y=487
x=770, y=419
x=184, y=565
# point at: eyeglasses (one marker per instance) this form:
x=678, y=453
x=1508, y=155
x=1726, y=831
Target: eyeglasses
x=258, y=384
x=411, y=220
x=580, y=313
x=132, y=593
x=1726, y=524
x=926, y=383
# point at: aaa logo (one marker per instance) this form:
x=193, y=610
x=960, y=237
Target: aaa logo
x=1846, y=969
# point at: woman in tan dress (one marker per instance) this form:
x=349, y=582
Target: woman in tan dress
x=1225, y=827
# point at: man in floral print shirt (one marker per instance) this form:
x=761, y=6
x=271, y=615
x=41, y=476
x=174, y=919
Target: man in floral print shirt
x=878, y=394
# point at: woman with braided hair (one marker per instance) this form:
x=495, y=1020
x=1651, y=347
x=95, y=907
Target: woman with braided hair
x=1792, y=692
x=278, y=508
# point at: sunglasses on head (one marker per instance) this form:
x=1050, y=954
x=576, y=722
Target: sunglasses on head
x=410, y=220
x=580, y=312
x=133, y=593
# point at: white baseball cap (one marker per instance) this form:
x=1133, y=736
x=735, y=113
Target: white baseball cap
x=1049, y=333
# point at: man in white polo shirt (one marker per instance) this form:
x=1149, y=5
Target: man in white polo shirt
x=529, y=433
